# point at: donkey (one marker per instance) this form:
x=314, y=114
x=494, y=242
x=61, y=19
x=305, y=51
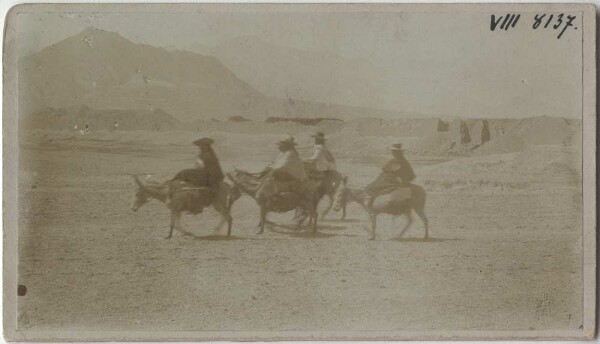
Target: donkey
x=249, y=184
x=384, y=204
x=180, y=196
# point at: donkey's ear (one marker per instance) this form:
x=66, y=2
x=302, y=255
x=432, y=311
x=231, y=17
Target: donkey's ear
x=137, y=180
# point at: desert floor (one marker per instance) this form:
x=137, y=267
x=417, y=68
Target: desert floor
x=497, y=259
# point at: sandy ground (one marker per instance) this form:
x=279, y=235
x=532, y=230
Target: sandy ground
x=497, y=260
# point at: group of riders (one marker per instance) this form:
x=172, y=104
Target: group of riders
x=289, y=173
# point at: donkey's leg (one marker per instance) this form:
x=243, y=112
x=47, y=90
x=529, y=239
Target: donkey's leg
x=343, y=211
x=305, y=213
x=330, y=196
x=229, y=224
x=224, y=218
x=220, y=208
x=300, y=217
x=300, y=221
x=263, y=219
x=421, y=213
x=408, y=223
x=313, y=218
x=373, y=226
x=224, y=211
x=314, y=214
x=174, y=220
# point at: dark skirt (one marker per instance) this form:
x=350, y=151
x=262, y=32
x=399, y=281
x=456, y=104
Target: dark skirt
x=196, y=176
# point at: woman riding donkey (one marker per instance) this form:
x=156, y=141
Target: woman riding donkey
x=191, y=190
x=207, y=172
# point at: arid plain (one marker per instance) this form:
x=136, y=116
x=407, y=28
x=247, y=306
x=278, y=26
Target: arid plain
x=505, y=224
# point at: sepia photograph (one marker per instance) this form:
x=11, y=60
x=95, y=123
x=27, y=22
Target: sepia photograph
x=299, y=172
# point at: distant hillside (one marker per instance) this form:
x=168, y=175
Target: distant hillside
x=281, y=71
x=103, y=70
x=69, y=118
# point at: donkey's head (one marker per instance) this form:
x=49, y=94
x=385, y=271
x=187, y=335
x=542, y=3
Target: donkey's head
x=241, y=177
x=244, y=181
x=340, y=199
x=231, y=189
x=234, y=193
x=140, y=197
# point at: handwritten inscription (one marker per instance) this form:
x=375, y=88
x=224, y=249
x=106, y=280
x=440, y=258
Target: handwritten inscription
x=508, y=20
x=559, y=22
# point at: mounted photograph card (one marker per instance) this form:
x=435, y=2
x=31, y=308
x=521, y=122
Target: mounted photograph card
x=264, y=172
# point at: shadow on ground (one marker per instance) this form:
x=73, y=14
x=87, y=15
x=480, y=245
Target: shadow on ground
x=345, y=220
x=304, y=227
x=218, y=237
x=430, y=239
x=304, y=233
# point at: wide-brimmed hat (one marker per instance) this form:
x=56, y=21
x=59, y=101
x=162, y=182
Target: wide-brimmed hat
x=288, y=141
x=205, y=141
x=397, y=147
x=319, y=135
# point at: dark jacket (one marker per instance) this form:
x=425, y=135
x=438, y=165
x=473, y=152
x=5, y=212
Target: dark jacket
x=209, y=175
x=397, y=168
x=212, y=166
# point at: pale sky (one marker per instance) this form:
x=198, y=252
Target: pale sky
x=433, y=63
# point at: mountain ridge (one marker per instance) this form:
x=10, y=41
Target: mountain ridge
x=102, y=69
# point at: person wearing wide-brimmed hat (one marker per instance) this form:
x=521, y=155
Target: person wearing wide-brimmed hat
x=286, y=173
x=321, y=165
x=322, y=159
x=207, y=171
x=395, y=173
x=288, y=164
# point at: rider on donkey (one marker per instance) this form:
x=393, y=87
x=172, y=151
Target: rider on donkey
x=322, y=163
x=396, y=173
x=322, y=158
x=285, y=174
x=207, y=172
